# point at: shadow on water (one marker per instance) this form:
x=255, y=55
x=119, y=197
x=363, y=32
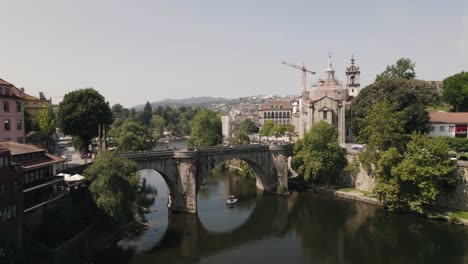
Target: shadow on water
x=299, y=228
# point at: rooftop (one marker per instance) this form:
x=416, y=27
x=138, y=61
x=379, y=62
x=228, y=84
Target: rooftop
x=3, y=82
x=277, y=105
x=18, y=149
x=449, y=118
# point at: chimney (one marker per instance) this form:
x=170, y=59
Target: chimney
x=22, y=91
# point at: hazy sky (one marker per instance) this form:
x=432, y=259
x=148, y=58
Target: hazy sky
x=138, y=51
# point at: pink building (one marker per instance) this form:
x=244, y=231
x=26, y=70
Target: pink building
x=11, y=113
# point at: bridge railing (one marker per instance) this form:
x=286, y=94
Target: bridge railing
x=169, y=152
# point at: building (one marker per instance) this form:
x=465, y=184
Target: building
x=439, y=85
x=37, y=178
x=448, y=124
x=11, y=198
x=11, y=112
x=231, y=122
x=328, y=100
x=279, y=112
x=34, y=105
x=352, y=84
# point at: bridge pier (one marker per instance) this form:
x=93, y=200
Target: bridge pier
x=280, y=155
x=184, y=196
x=183, y=170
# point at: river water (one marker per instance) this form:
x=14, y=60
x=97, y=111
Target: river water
x=299, y=228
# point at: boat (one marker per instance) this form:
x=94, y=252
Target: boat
x=232, y=199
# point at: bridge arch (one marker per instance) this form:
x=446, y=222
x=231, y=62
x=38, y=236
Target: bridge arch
x=184, y=170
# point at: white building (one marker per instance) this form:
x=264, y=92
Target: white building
x=448, y=124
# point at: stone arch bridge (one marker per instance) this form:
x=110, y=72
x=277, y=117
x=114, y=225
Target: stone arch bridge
x=184, y=170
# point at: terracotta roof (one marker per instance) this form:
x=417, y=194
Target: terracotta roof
x=49, y=159
x=17, y=148
x=3, y=82
x=449, y=118
x=277, y=105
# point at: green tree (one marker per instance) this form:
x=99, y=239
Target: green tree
x=248, y=126
x=455, y=91
x=80, y=113
x=114, y=184
x=404, y=68
x=146, y=115
x=267, y=127
x=381, y=129
x=409, y=97
x=131, y=136
x=29, y=124
x=318, y=157
x=206, y=129
x=415, y=179
x=46, y=121
x=47, y=124
x=240, y=138
x=157, y=124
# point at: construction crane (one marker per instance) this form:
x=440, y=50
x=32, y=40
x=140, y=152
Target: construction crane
x=304, y=71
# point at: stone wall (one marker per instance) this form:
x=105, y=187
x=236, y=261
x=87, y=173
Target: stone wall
x=356, y=177
x=359, y=179
x=459, y=198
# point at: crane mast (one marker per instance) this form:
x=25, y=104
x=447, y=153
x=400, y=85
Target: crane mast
x=304, y=72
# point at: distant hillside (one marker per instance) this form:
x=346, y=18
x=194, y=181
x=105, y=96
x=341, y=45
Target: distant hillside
x=193, y=101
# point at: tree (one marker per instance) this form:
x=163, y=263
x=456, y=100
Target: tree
x=409, y=97
x=114, y=184
x=46, y=123
x=206, y=129
x=455, y=91
x=415, y=179
x=267, y=128
x=240, y=138
x=157, y=124
x=404, y=68
x=46, y=120
x=318, y=157
x=131, y=136
x=29, y=124
x=248, y=126
x=80, y=113
x=381, y=129
x=146, y=115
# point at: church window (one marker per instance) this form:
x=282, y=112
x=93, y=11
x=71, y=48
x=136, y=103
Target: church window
x=281, y=107
x=264, y=114
x=352, y=90
x=288, y=115
x=280, y=114
x=272, y=107
x=352, y=79
x=324, y=115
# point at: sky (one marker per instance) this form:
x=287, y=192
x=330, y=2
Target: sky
x=137, y=51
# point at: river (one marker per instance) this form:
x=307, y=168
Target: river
x=299, y=228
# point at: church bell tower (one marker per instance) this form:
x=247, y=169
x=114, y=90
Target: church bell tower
x=352, y=84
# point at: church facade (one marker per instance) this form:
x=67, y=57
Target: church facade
x=327, y=101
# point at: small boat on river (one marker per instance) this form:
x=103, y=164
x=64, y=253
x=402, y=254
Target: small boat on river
x=232, y=199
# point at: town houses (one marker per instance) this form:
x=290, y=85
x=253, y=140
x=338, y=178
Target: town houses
x=28, y=174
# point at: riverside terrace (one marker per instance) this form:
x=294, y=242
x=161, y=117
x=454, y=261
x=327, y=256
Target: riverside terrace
x=184, y=170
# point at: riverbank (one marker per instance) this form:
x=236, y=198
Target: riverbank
x=454, y=217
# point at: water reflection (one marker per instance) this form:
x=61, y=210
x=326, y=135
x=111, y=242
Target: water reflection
x=299, y=228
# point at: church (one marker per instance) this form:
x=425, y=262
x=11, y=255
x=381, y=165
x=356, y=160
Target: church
x=327, y=101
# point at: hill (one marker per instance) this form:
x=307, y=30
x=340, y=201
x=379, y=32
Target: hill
x=193, y=101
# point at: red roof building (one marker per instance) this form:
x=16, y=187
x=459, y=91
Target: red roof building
x=448, y=124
